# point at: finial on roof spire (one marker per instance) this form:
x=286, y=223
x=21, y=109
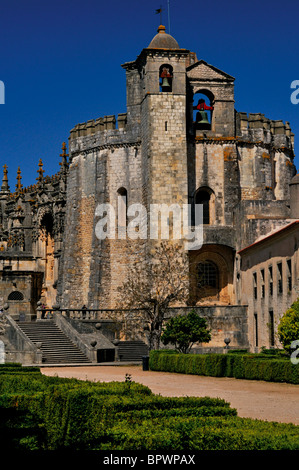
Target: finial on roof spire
x=161, y=29
x=19, y=185
x=64, y=155
x=40, y=171
x=4, y=187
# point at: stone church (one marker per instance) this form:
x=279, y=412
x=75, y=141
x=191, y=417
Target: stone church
x=182, y=140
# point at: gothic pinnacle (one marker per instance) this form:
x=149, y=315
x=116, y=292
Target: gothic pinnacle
x=19, y=185
x=40, y=172
x=64, y=155
x=5, y=187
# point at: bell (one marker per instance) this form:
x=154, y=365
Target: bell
x=165, y=84
x=202, y=117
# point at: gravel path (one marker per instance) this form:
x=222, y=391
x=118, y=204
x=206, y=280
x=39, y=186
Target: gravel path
x=252, y=399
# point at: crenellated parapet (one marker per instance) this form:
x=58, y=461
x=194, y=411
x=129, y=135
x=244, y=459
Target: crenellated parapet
x=101, y=124
x=255, y=127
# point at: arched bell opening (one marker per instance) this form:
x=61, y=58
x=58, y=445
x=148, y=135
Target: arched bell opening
x=166, y=77
x=203, y=110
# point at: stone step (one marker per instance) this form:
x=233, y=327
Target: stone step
x=56, y=347
x=132, y=350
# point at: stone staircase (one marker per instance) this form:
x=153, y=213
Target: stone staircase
x=132, y=350
x=56, y=347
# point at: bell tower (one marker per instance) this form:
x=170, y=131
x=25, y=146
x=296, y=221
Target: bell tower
x=156, y=99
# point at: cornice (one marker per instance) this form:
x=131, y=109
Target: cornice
x=111, y=146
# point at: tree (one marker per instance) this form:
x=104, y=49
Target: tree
x=288, y=328
x=184, y=330
x=154, y=283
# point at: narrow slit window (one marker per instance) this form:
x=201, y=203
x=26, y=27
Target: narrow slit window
x=254, y=286
x=271, y=328
x=279, y=278
x=203, y=197
x=256, y=330
x=262, y=283
x=270, y=272
x=289, y=269
x=122, y=202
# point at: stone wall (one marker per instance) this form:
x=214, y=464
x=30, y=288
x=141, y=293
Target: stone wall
x=153, y=154
x=268, y=289
x=228, y=321
x=92, y=269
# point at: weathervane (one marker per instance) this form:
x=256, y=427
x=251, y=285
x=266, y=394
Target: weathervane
x=159, y=10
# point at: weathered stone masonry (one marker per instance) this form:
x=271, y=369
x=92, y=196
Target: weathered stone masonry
x=238, y=165
x=242, y=162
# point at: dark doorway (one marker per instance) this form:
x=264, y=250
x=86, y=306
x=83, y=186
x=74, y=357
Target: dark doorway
x=105, y=355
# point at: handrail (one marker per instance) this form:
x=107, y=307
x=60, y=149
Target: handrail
x=79, y=313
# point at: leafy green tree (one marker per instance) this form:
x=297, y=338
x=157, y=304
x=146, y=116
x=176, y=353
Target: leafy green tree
x=288, y=328
x=184, y=330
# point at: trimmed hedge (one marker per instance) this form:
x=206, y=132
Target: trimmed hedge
x=192, y=433
x=14, y=367
x=241, y=366
x=52, y=413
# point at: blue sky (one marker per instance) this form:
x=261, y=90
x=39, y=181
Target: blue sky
x=61, y=61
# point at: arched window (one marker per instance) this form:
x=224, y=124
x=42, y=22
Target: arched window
x=207, y=275
x=203, y=197
x=47, y=223
x=122, y=194
x=122, y=207
x=166, y=76
x=16, y=295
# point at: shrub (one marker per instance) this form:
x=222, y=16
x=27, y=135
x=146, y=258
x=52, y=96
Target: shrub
x=200, y=433
x=184, y=330
x=288, y=328
x=247, y=366
x=51, y=413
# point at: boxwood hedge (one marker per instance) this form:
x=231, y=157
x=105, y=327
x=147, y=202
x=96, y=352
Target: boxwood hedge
x=242, y=365
x=52, y=413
